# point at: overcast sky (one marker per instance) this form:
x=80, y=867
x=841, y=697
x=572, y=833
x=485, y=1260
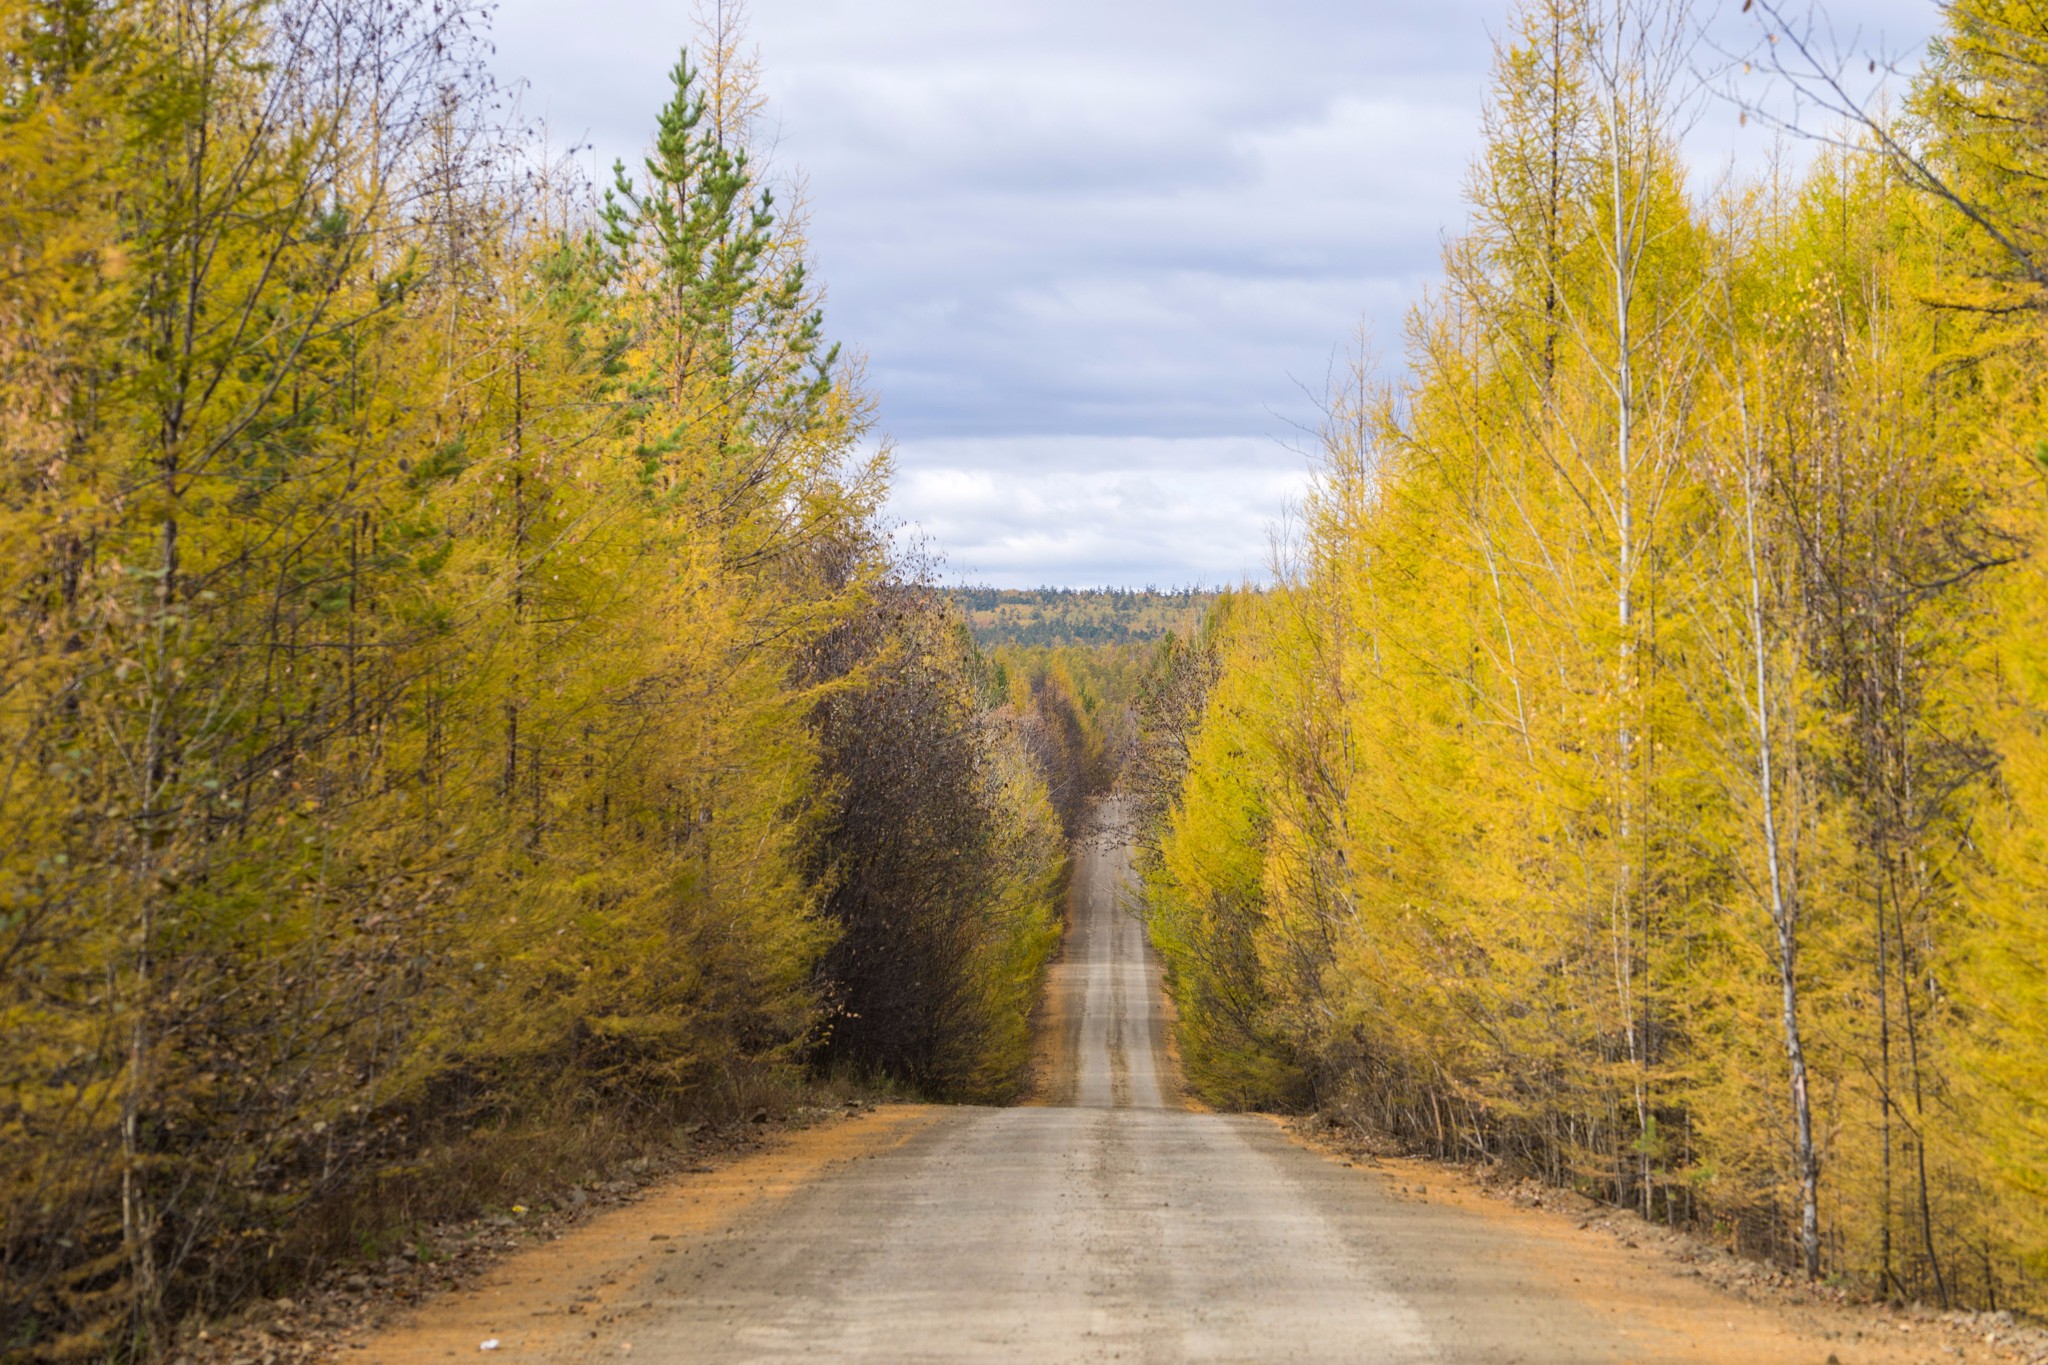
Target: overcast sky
x=1098, y=253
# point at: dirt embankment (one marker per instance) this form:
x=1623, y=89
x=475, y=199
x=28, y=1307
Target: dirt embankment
x=474, y=1275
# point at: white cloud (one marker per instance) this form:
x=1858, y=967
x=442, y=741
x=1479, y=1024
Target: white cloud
x=1087, y=511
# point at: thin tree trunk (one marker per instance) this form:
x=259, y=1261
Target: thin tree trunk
x=1783, y=903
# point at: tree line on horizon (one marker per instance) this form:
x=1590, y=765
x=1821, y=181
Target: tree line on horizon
x=1079, y=617
x=1640, y=776
x=460, y=705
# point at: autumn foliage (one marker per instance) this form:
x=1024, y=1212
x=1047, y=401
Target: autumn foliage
x=453, y=683
x=1637, y=776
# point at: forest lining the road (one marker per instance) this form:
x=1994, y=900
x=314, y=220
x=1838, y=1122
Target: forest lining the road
x=469, y=724
x=467, y=719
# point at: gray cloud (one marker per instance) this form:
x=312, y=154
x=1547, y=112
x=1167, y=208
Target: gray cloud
x=1093, y=250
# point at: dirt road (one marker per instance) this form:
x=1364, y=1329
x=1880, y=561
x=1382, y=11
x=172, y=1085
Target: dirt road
x=1106, y=1223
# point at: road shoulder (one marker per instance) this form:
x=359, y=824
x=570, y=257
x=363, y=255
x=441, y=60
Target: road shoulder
x=540, y=1301
x=1670, y=1296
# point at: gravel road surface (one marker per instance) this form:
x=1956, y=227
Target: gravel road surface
x=1108, y=1221
x=1110, y=1224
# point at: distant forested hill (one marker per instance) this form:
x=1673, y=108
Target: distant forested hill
x=1079, y=616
